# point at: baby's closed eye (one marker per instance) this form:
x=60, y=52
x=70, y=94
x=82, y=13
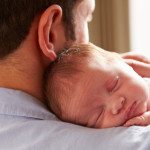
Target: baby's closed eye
x=113, y=85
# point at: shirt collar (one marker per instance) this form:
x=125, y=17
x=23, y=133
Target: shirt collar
x=18, y=103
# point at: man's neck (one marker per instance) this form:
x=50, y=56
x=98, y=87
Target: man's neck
x=25, y=74
x=23, y=69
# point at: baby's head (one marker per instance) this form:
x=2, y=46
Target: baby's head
x=92, y=87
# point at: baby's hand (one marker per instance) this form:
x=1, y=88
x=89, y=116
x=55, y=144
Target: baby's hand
x=142, y=120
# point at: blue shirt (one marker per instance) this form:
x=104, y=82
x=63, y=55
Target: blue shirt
x=26, y=124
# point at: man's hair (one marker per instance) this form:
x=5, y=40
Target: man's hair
x=66, y=72
x=16, y=17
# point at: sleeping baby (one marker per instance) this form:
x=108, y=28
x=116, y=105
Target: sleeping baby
x=96, y=88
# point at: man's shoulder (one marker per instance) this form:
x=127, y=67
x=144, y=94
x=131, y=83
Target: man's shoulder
x=30, y=134
x=27, y=125
x=35, y=134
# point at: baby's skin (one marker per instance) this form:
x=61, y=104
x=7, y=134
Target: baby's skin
x=144, y=119
x=101, y=90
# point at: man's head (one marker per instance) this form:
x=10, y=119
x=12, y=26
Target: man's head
x=17, y=17
x=95, y=88
x=32, y=32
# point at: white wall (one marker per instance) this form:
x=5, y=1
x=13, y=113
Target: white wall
x=109, y=28
x=140, y=25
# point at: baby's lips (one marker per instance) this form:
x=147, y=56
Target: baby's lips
x=131, y=110
x=136, y=109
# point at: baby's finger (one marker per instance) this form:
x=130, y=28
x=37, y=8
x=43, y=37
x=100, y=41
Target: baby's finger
x=143, y=69
x=136, y=56
x=140, y=120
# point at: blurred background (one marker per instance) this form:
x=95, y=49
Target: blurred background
x=121, y=25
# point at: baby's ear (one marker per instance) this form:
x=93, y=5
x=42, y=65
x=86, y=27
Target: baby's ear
x=47, y=30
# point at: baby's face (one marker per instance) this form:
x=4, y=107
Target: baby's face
x=108, y=95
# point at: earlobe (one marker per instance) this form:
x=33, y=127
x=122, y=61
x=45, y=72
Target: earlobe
x=46, y=36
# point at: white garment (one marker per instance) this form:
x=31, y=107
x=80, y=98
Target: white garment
x=26, y=124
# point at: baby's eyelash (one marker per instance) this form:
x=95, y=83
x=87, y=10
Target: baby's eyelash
x=113, y=85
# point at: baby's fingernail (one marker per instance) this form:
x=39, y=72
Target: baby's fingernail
x=126, y=125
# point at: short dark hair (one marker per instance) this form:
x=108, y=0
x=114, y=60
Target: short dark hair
x=16, y=17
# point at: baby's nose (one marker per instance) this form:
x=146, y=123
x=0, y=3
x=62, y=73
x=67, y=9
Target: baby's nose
x=118, y=106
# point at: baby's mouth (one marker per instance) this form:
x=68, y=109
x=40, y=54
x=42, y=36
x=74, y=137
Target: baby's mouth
x=136, y=109
x=131, y=110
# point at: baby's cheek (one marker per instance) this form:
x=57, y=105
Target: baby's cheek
x=146, y=92
x=141, y=91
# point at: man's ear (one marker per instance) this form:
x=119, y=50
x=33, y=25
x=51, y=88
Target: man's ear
x=50, y=18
